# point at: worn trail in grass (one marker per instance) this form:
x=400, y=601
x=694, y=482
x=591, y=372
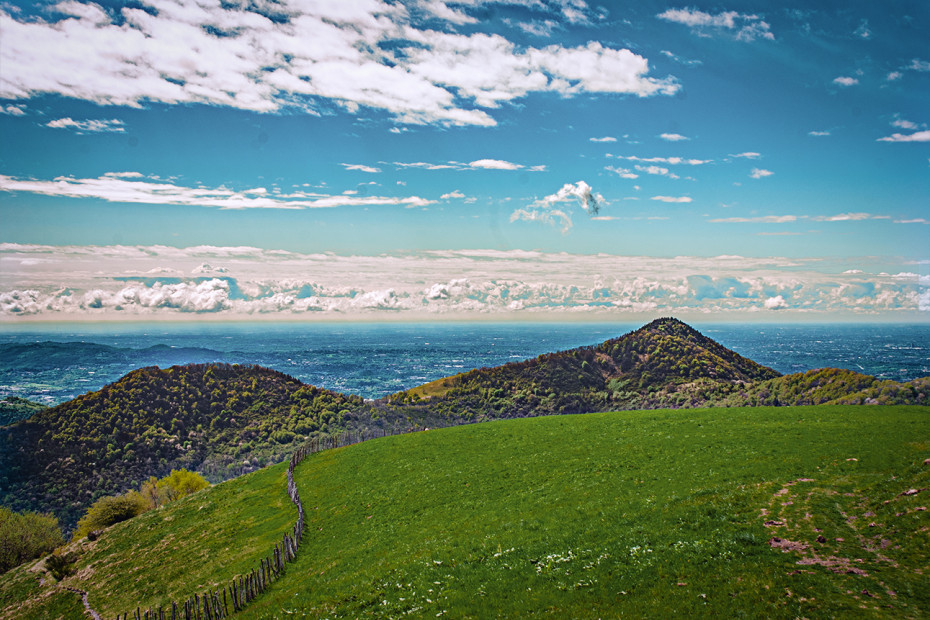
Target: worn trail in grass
x=641, y=513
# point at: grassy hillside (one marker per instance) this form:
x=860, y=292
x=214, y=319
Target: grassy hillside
x=775, y=512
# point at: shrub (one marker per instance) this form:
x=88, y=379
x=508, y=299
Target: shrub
x=26, y=536
x=109, y=510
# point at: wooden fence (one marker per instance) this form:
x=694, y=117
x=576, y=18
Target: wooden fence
x=242, y=589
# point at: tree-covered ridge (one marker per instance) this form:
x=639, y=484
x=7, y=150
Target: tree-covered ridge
x=14, y=409
x=664, y=364
x=222, y=420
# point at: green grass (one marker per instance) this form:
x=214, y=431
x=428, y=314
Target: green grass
x=605, y=515
x=638, y=514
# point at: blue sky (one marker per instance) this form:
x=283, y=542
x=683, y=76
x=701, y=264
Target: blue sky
x=519, y=159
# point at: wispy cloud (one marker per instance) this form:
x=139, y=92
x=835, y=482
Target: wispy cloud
x=13, y=110
x=623, y=173
x=88, y=126
x=818, y=134
x=744, y=27
x=673, y=199
x=673, y=161
x=299, y=55
x=361, y=168
x=764, y=219
x=760, y=173
x=604, y=139
x=748, y=155
x=452, y=194
x=683, y=61
x=118, y=187
x=674, y=137
x=550, y=210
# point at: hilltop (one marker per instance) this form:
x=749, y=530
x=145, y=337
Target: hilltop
x=225, y=420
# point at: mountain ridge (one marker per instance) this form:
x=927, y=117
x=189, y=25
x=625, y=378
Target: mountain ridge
x=224, y=420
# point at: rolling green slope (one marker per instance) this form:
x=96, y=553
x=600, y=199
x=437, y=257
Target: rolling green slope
x=774, y=512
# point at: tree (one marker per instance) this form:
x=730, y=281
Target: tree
x=109, y=510
x=26, y=536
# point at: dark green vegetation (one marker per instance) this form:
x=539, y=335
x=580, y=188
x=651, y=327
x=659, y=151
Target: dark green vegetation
x=226, y=420
x=220, y=420
x=14, y=409
x=26, y=536
x=665, y=364
x=748, y=512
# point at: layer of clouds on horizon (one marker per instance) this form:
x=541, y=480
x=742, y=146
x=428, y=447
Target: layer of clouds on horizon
x=161, y=281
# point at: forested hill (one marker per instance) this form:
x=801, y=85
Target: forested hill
x=222, y=420
x=665, y=364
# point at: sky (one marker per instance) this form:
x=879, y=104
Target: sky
x=431, y=159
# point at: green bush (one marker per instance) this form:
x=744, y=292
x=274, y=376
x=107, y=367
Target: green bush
x=26, y=536
x=109, y=510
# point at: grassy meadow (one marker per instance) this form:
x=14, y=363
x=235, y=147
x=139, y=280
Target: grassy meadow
x=750, y=512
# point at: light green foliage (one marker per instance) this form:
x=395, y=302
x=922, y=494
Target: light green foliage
x=178, y=484
x=109, y=510
x=26, y=536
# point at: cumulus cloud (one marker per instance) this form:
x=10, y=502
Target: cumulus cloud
x=776, y=303
x=125, y=187
x=744, y=27
x=760, y=173
x=548, y=210
x=88, y=126
x=845, y=81
x=452, y=194
x=920, y=136
x=308, y=57
x=673, y=137
x=91, y=281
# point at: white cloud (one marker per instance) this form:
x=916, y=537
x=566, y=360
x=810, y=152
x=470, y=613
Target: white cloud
x=494, y=164
x=623, y=173
x=894, y=76
x=115, y=187
x=818, y=133
x=920, y=136
x=453, y=194
x=863, y=31
x=657, y=171
x=673, y=199
x=673, y=137
x=604, y=139
x=759, y=173
x=845, y=81
x=846, y=217
x=88, y=126
x=673, y=161
x=13, y=110
x=748, y=155
x=744, y=27
x=916, y=220
x=308, y=57
x=776, y=303
x=91, y=282
x=684, y=61
x=904, y=124
x=361, y=168
x=919, y=65
x=546, y=210
x=764, y=219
